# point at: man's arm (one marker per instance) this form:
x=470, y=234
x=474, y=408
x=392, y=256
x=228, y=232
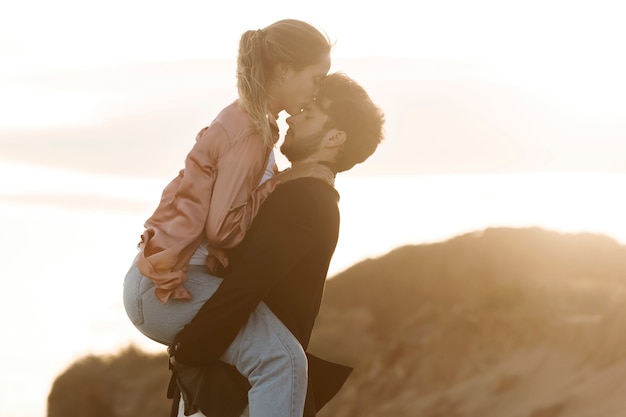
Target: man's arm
x=284, y=231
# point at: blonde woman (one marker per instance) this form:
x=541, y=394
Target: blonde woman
x=207, y=209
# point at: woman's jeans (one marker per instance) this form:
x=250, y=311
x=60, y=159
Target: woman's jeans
x=264, y=350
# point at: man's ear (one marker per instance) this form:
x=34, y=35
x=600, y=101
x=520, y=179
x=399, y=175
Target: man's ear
x=336, y=139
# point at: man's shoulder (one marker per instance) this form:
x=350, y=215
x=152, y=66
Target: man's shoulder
x=305, y=198
x=303, y=195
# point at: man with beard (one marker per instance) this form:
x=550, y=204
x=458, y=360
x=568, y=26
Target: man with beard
x=272, y=290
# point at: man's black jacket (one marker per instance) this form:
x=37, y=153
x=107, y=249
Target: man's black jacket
x=283, y=260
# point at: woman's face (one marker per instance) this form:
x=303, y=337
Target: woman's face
x=298, y=88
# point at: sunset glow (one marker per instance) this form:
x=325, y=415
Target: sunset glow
x=498, y=114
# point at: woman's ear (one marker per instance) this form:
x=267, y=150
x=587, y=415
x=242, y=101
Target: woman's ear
x=281, y=70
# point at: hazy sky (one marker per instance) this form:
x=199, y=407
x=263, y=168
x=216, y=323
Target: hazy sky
x=537, y=33
x=554, y=68
x=550, y=82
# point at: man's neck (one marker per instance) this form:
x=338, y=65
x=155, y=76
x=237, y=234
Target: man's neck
x=329, y=164
x=308, y=160
x=329, y=169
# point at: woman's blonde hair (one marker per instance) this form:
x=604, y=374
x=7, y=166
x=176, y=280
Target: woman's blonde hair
x=292, y=42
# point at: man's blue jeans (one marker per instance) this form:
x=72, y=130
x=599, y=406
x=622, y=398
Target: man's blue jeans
x=264, y=351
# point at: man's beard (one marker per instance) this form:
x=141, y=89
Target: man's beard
x=300, y=149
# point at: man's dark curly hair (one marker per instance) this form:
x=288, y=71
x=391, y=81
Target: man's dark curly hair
x=351, y=110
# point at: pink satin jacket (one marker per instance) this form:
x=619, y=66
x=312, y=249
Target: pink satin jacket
x=215, y=196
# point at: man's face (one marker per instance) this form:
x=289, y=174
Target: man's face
x=306, y=131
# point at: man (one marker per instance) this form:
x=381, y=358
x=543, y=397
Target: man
x=281, y=266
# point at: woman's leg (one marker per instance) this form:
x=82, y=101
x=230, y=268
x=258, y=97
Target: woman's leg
x=264, y=351
x=181, y=411
x=274, y=362
x=161, y=322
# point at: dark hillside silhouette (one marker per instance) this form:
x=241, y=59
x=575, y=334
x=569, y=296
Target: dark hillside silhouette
x=484, y=321
x=501, y=322
x=566, y=274
x=131, y=383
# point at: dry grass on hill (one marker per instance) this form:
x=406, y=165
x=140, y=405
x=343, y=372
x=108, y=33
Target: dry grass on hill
x=499, y=323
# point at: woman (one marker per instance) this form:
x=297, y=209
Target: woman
x=208, y=207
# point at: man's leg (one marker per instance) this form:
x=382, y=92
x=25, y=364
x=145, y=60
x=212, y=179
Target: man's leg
x=274, y=363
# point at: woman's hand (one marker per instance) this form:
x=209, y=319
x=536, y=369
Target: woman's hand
x=307, y=169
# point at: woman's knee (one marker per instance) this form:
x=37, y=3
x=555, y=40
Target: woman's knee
x=293, y=356
x=269, y=348
x=284, y=363
x=290, y=358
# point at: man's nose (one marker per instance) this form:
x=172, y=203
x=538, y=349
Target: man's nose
x=289, y=121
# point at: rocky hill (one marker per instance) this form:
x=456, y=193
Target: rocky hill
x=502, y=322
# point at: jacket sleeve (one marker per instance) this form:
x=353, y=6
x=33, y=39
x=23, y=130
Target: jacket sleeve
x=237, y=197
x=207, y=187
x=282, y=234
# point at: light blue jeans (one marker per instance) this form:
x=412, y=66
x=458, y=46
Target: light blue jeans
x=264, y=350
